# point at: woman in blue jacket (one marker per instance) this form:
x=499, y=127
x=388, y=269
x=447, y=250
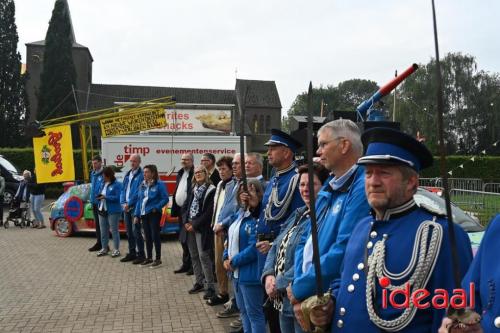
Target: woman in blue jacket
x=279, y=267
x=109, y=209
x=241, y=258
x=151, y=198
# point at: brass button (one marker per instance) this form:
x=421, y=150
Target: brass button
x=350, y=288
x=373, y=234
x=342, y=311
x=497, y=322
x=369, y=245
x=361, y=266
x=355, y=277
x=340, y=323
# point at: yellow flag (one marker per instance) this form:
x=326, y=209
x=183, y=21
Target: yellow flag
x=54, y=155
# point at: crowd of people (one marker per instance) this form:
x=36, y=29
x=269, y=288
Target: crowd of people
x=248, y=242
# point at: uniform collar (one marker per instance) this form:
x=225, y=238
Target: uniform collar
x=399, y=211
x=285, y=170
x=338, y=183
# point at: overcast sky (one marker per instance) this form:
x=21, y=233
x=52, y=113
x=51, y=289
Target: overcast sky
x=200, y=44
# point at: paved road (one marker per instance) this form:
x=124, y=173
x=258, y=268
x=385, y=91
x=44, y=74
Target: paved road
x=49, y=284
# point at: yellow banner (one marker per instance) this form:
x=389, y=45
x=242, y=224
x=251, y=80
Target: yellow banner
x=54, y=155
x=132, y=123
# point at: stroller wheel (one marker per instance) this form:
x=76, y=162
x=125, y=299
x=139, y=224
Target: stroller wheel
x=22, y=224
x=6, y=224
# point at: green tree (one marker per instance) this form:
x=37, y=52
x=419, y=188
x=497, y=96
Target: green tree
x=12, y=101
x=344, y=97
x=58, y=74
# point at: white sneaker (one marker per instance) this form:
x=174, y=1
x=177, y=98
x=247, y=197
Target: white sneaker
x=102, y=252
x=115, y=253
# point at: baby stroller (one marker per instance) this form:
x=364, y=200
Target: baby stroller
x=18, y=214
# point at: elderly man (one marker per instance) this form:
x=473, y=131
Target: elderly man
x=128, y=199
x=208, y=161
x=181, y=193
x=340, y=205
x=253, y=167
x=400, y=247
x=96, y=180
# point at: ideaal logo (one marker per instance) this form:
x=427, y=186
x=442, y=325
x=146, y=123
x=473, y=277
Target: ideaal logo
x=130, y=150
x=400, y=298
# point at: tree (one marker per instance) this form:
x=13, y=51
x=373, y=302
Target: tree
x=12, y=97
x=345, y=97
x=58, y=74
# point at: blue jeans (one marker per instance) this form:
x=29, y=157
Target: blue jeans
x=36, y=206
x=131, y=234
x=107, y=222
x=289, y=324
x=151, y=225
x=249, y=299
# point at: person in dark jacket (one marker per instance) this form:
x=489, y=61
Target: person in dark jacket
x=152, y=197
x=109, y=210
x=197, y=219
x=182, y=191
x=37, y=192
x=208, y=161
x=241, y=259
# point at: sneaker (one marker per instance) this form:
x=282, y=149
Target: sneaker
x=182, y=269
x=42, y=226
x=138, y=261
x=102, y=252
x=190, y=272
x=94, y=248
x=218, y=299
x=228, y=313
x=128, y=257
x=209, y=293
x=237, y=330
x=156, y=263
x=146, y=262
x=196, y=288
x=236, y=324
x=115, y=253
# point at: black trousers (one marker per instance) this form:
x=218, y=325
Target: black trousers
x=1, y=208
x=151, y=225
x=97, y=226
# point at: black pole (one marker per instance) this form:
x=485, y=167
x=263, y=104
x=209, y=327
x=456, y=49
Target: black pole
x=241, y=108
x=442, y=148
x=312, y=199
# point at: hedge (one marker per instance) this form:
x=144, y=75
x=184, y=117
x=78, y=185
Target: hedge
x=486, y=168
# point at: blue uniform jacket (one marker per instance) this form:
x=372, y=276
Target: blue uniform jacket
x=112, y=197
x=247, y=259
x=284, y=279
x=400, y=226
x=230, y=204
x=136, y=180
x=157, y=197
x=338, y=212
x=96, y=180
x=484, y=272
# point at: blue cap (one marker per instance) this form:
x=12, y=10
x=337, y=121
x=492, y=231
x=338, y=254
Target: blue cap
x=389, y=146
x=280, y=138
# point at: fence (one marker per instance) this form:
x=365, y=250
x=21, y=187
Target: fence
x=483, y=205
x=471, y=184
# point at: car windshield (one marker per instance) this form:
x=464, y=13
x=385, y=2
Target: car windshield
x=9, y=166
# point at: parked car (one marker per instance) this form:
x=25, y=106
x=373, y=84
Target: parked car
x=470, y=224
x=72, y=213
x=12, y=179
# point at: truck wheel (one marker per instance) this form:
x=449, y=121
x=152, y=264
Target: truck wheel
x=63, y=227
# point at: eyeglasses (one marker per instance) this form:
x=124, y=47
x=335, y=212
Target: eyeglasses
x=199, y=172
x=322, y=145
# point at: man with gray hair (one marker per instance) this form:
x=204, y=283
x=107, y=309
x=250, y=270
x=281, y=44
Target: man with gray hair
x=253, y=167
x=341, y=203
x=128, y=199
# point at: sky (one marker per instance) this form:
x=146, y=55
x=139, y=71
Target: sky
x=207, y=44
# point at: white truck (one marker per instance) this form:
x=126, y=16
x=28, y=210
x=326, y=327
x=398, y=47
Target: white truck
x=165, y=151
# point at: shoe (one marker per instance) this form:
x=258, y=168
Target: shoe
x=115, y=253
x=237, y=330
x=190, y=272
x=228, y=313
x=42, y=226
x=94, y=248
x=210, y=293
x=218, y=299
x=102, y=252
x=128, y=257
x=156, y=263
x=181, y=270
x=236, y=324
x=196, y=288
x=138, y=261
x=146, y=262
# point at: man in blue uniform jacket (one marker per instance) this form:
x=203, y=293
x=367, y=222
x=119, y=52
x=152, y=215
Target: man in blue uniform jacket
x=340, y=205
x=401, y=247
x=484, y=272
x=96, y=181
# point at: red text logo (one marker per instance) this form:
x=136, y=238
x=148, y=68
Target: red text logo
x=54, y=139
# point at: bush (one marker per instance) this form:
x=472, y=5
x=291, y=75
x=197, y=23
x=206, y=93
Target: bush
x=484, y=167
